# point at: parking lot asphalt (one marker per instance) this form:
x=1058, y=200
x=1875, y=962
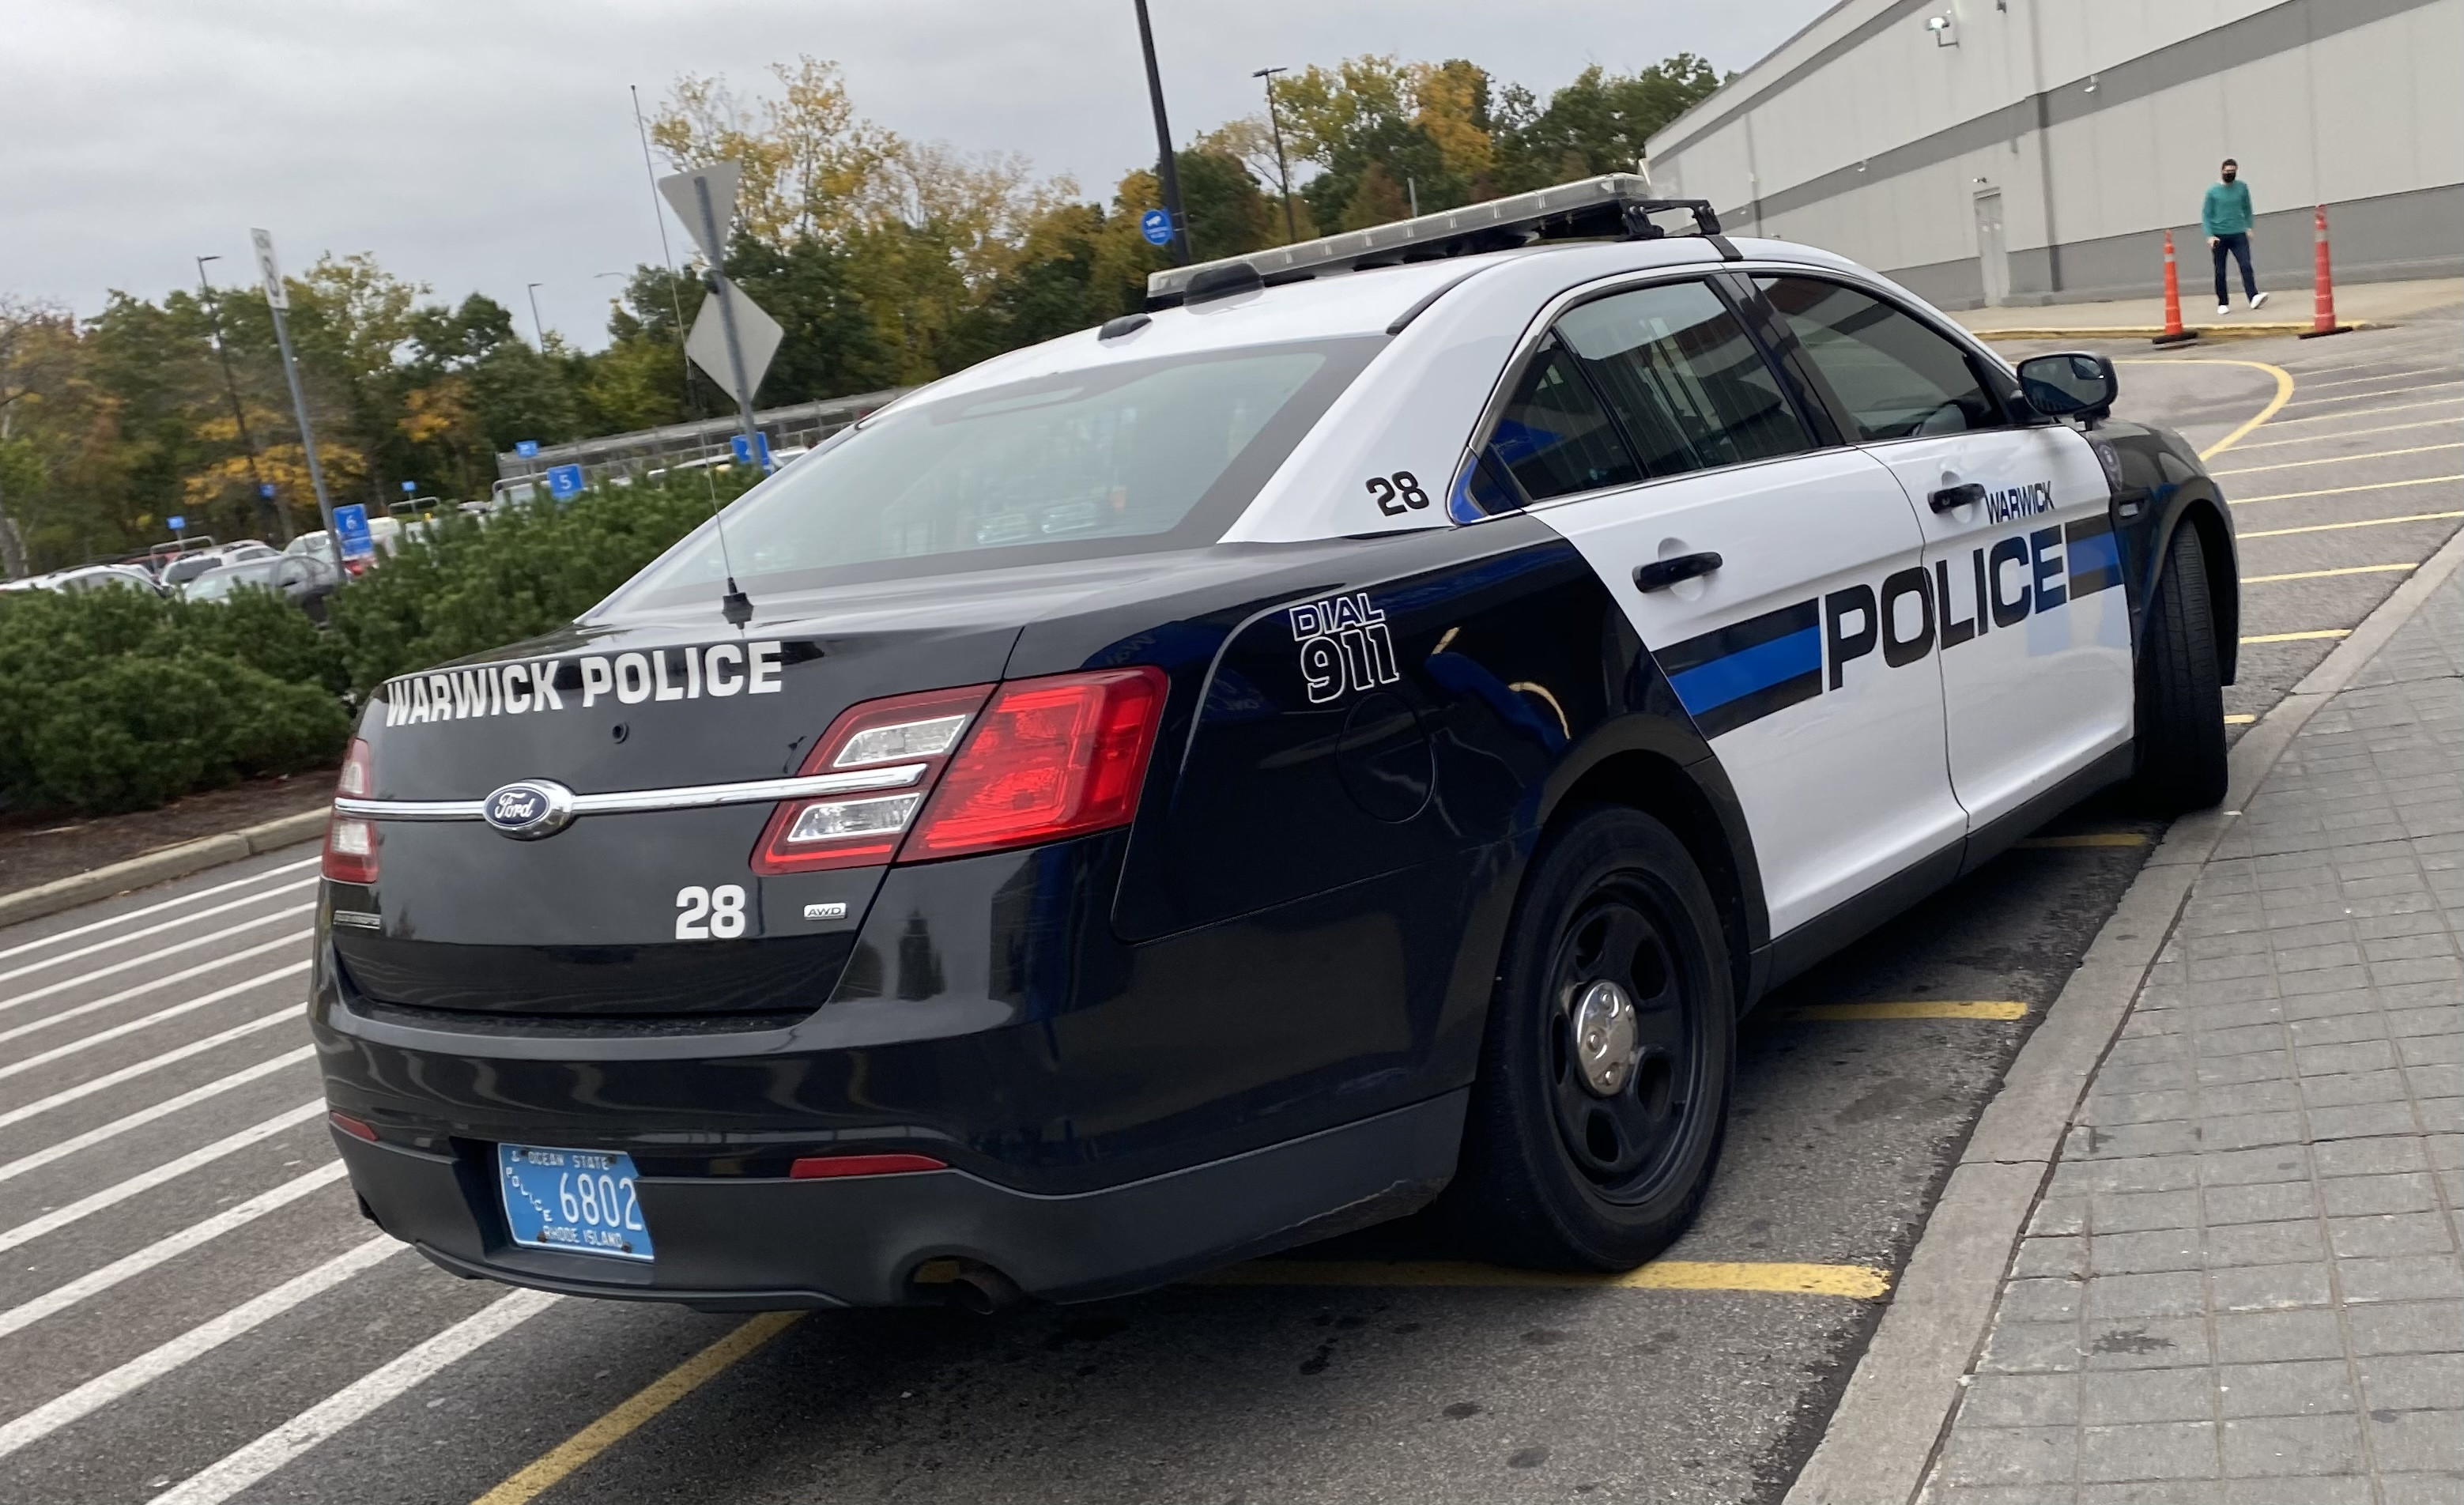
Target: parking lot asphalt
x=191, y=1309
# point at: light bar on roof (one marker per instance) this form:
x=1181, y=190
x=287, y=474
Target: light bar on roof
x=1618, y=203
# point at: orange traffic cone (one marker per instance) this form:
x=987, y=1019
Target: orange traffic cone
x=2322, y=290
x=2174, y=334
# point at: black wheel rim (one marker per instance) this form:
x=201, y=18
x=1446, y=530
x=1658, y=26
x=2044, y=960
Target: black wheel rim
x=1626, y=1141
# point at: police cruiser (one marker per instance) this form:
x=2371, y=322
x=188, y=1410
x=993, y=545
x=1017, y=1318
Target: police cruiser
x=1356, y=735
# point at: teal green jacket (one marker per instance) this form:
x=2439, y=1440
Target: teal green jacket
x=2226, y=210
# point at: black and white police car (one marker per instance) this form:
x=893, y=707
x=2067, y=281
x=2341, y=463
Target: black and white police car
x=1356, y=735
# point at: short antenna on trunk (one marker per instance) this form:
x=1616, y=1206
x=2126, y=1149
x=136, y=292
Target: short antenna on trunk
x=735, y=605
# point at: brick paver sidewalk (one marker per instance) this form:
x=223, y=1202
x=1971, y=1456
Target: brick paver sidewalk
x=2244, y=1285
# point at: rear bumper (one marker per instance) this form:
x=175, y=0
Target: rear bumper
x=744, y=1243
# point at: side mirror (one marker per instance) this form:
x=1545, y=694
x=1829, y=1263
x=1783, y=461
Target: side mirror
x=2070, y=384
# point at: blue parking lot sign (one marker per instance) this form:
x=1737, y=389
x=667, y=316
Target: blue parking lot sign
x=177, y=523
x=351, y=531
x=527, y=448
x=1157, y=227
x=564, y=482
x=746, y=451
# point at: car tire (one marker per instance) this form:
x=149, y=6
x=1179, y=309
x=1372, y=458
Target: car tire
x=1565, y=1163
x=2178, y=747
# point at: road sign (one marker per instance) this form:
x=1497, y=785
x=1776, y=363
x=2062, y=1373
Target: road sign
x=351, y=531
x=267, y=271
x=757, y=331
x=177, y=523
x=527, y=448
x=684, y=198
x=745, y=452
x=265, y=488
x=1157, y=227
x=564, y=482
x=409, y=487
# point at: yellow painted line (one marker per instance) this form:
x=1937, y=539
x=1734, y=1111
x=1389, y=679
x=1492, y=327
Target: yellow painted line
x=579, y=1449
x=2300, y=637
x=2338, y=459
x=2345, y=490
x=2239, y=720
x=2366, y=522
x=2372, y=412
x=2355, y=433
x=2043, y=843
x=1910, y=1009
x=2321, y=574
x=1860, y=1282
x=2275, y=405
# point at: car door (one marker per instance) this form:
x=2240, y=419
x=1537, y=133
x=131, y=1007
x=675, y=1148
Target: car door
x=2030, y=628
x=1648, y=429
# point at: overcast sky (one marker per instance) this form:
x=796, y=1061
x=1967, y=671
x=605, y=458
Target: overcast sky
x=490, y=145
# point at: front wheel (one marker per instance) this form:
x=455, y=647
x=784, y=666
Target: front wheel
x=1603, y=1090
x=2178, y=748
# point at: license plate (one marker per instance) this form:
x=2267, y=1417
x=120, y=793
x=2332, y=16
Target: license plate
x=578, y=1201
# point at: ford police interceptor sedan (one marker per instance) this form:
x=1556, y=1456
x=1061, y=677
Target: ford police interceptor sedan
x=1354, y=736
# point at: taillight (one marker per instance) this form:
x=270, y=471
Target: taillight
x=350, y=843
x=1049, y=759
x=862, y=828
x=821, y=1167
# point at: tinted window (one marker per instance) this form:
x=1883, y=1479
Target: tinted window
x=1896, y=377
x=1555, y=438
x=1121, y=458
x=1678, y=371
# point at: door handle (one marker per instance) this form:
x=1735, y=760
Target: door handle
x=1661, y=574
x=1951, y=496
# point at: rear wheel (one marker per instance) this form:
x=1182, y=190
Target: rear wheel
x=1603, y=1087
x=2179, y=743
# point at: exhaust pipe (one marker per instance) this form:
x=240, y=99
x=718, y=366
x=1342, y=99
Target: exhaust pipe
x=970, y=1286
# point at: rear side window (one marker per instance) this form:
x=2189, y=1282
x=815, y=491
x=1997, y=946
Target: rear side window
x=1653, y=382
x=1689, y=389
x=1896, y=377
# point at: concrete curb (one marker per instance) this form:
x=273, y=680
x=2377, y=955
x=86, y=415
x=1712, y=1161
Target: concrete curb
x=2151, y=331
x=1881, y=1438
x=160, y=866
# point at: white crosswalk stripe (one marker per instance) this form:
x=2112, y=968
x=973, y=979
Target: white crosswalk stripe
x=147, y=1180
x=126, y=1122
x=134, y=1069
x=291, y=912
x=355, y=1401
x=92, y=925
x=118, y=941
x=88, y=1042
x=202, y=1338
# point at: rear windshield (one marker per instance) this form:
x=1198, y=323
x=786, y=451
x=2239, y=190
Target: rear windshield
x=1134, y=458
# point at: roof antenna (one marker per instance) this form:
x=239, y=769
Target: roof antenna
x=735, y=606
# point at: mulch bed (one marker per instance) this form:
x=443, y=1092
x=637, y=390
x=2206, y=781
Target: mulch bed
x=38, y=848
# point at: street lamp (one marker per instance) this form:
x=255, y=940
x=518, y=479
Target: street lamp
x=265, y=508
x=538, y=328
x=1165, y=173
x=1283, y=173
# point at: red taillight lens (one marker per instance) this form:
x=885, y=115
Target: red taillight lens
x=351, y=844
x=821, y=1167
x=1048, y=758
x=357, y=1128
x=862, y=828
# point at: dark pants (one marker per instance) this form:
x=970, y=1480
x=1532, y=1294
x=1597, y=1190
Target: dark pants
x=2239, y=245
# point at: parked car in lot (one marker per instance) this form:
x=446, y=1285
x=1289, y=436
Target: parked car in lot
x=1358, y=733
x=187, y=567
x=89, y=578
x=303, y=579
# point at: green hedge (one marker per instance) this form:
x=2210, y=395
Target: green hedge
x=119, y=700
x=114, y=700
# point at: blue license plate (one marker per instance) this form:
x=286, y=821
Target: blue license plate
x=578, y=1201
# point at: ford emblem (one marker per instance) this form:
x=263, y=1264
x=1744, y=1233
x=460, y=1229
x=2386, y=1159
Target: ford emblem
x=529, y=810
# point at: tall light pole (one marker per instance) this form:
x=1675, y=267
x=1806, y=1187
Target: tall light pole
x=1165, y=174
x=537, y=327
x=266, y=510
x=1283, y=173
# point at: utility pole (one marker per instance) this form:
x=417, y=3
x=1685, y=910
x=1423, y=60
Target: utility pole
x=538, y=328
x=267, y=511
x=279, y=300
x=1165, y=173
x=1282, y=172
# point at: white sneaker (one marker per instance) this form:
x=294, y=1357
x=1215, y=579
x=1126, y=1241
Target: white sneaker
x=2258, y=301
x=2222, y=309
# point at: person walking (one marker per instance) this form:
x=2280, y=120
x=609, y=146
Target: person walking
x=2224, y=215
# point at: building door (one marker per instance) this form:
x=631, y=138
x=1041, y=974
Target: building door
x=1993, y=258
